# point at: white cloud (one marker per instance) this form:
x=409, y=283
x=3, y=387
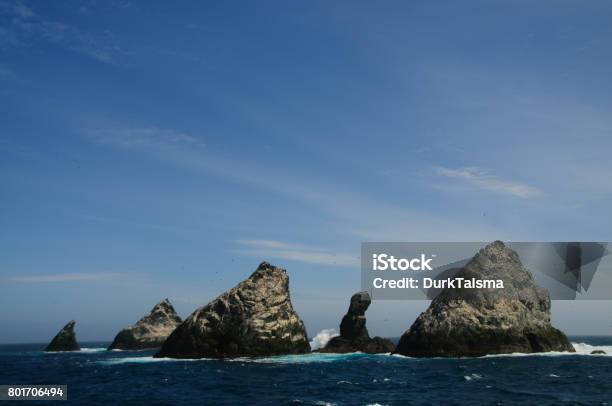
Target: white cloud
x=297, y=252
x=66, y=277
x=480, y=179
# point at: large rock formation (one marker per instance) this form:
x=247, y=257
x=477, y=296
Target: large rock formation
x=254, y=318
x=476, y=322
x=65, y=340
x=150, y=331
x=354, y=335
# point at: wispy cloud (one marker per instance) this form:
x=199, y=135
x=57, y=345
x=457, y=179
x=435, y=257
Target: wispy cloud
x=21, y=27
x=297, y=252
x=482, y=180
x=145, y=137
x=350, y=212
x=271, y=244
x=188, y=151
x=67, y=277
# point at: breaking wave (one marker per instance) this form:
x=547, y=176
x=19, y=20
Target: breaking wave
x=322, y=338
x=586, y=349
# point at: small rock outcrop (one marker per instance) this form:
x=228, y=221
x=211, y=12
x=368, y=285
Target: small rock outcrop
x=354, y=334
x=474, y=322
x=150, y=331
x=255, y=318
x=598, y=352
x=65, y=340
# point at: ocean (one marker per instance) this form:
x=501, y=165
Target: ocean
x=98, y=377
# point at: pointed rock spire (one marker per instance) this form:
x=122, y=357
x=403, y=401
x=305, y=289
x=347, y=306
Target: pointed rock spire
x=474, y=322
x=254, y=318
x=65, y=340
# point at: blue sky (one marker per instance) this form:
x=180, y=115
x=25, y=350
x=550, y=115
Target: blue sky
x=155, y=149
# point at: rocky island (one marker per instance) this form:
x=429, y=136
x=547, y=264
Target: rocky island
x=255, y=318
x=65, y=340
x=474, y=322
x=354, y=334
x=150, y=331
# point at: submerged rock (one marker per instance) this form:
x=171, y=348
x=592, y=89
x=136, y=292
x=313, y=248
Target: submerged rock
x=598, y=352
x=65, y=340
x=354, y=334
x=255, y=318
x=150, y=331
x=475, y=322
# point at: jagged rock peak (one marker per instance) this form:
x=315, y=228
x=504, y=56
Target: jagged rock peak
x=150, y=331
x=162, y=312
x=64, y=340
x=254, y=318
x=476, y=322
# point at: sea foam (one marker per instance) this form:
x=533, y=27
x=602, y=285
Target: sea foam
x=81, y=351
x=304, y=358
x=581, y=349
x=146, y=360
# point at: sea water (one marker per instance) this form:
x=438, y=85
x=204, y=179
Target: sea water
x=96, y=376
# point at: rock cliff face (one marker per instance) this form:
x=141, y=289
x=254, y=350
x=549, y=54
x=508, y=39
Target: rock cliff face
x=150, y=331
x=255, y=318
x=476, y=322
x=65, y=340
x=354, y=335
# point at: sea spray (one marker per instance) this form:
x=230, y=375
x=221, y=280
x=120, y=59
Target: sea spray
x=322, y=337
